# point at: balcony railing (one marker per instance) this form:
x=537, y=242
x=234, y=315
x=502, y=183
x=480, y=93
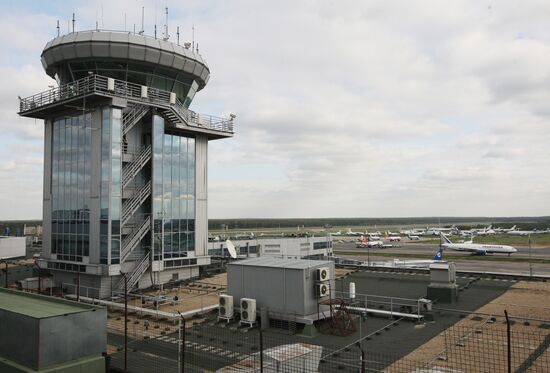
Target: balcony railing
x=113, y=87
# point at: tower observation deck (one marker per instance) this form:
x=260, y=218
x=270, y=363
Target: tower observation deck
x=125, y=159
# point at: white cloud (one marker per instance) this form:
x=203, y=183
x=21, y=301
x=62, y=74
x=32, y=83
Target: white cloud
x=356, y=108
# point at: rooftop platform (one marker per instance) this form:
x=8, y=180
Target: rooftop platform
x=96, y=88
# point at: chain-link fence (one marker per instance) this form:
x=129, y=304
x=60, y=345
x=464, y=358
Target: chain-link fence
x=203, y=345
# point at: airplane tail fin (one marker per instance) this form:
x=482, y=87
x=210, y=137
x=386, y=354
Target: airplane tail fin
x=444, y=239
x=438, y=255
x=513, y=228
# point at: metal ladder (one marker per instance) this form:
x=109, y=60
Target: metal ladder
x=136, y=235
x=133, y=116
x=131, y=205
x=132, y=169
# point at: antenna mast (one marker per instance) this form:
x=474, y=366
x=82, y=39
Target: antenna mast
x=166, y=36
x=57, y=28
x=178, y=34
x=73, y=22
x=193, y=37
x=142, y=20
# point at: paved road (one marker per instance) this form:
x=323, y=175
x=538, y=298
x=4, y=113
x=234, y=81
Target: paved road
x=427, y=249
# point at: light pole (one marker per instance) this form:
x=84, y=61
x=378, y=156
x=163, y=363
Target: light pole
x=125, y=321
x=530, y=263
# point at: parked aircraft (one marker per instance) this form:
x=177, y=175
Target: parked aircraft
x=365, y=242
x=437, y=231
x=526, y=233
x=476, y=249
x=438, y=258
x=413, y=237
x=392, y=237
x=352, y=233
x=413, y=232
x=505, y=230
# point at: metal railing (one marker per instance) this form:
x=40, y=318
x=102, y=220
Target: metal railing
x=113, y=87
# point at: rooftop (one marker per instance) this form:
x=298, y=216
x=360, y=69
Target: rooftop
x=281, y=263
x=38, y=306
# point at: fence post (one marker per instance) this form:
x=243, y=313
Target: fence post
x=182, y=340
x=508, y=340
x=261, y=351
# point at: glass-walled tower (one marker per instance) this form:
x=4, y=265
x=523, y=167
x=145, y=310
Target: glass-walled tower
x=125, y=168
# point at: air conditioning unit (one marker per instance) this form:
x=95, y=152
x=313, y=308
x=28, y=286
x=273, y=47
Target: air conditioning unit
x=323, y=274
x=322, y=290
x=225, y=306
x=248, y=310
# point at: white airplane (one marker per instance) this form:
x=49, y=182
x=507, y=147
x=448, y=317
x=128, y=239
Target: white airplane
x=526, y=233
x=437, y=231
x=392, y=237
x=352, y=233
x=476, y=248
x=403, y=263
x=339, y=233
x=413, y=232
x=413, y=237
x=365, y=242
x=505, y=230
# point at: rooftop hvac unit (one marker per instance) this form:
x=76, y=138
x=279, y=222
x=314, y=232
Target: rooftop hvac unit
x=323, y=273
x=322, y=290
x=248, y=310
x=225, y=306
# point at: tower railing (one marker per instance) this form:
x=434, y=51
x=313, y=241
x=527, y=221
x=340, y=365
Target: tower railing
x=102, y=85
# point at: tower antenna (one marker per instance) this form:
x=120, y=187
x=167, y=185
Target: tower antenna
x=166, y=36
x=73, y=22
x=142, y=21
x=193, y=37
x=155, y=30
x=57, y=28
x=124, y=21
x=178, y=34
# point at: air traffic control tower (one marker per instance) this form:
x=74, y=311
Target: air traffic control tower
x=125, y=160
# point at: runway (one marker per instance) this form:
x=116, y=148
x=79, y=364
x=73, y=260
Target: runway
x=481, y=264
x=430, y=249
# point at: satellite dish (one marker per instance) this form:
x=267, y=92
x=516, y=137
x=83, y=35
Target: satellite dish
x=231, y=249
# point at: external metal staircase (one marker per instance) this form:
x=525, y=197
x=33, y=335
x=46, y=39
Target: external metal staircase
x=133, y=116
x=133, y=276
x=131, y=205
x=130, y=170
x=135, y=236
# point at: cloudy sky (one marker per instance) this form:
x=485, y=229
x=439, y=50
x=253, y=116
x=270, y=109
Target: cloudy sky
x=344, y=108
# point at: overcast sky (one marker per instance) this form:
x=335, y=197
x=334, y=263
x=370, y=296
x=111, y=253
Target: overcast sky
x=344, y=108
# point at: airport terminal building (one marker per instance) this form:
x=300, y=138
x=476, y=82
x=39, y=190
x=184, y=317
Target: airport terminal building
x=125, y=160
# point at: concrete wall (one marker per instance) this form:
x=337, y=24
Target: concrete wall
x=72, y=336
x=294, y=248
x=12, y=247
x=283, y=290
x=201, y=190
x=47, y=196
x=19, y=337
